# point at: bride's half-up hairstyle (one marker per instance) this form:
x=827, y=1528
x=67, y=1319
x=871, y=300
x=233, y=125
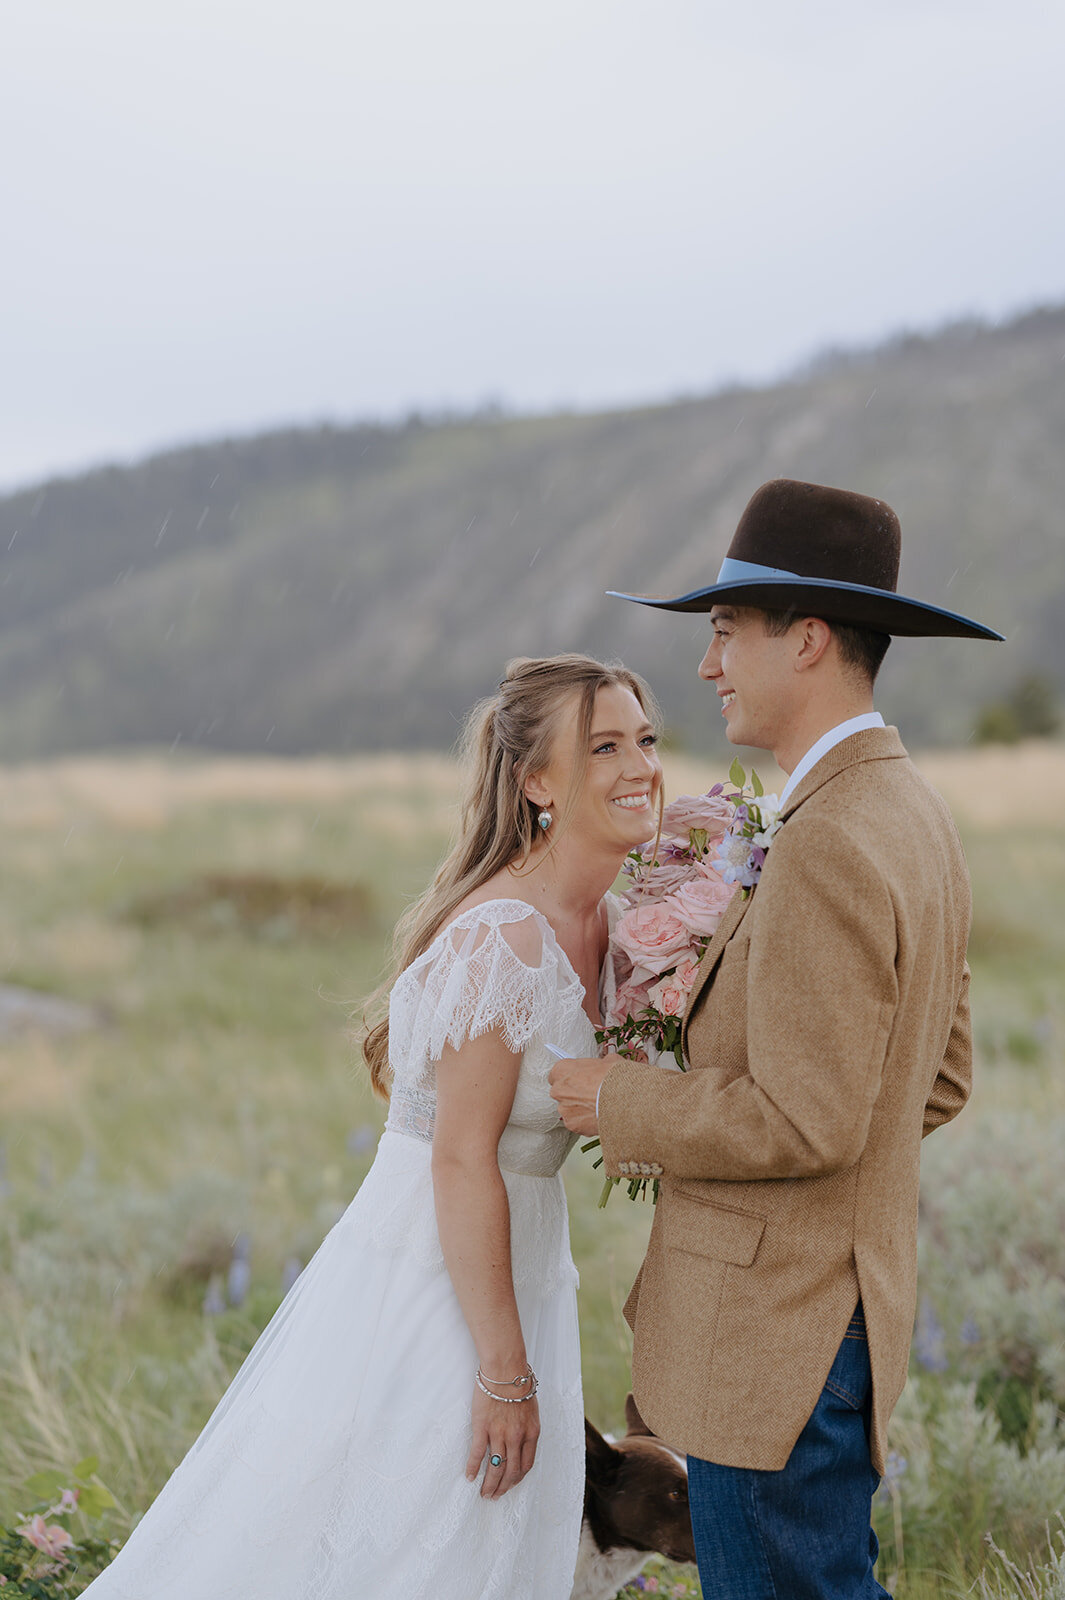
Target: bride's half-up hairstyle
x=506, y=739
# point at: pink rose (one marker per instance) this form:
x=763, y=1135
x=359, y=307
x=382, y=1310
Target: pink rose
x=652, y=936
x=670, y=994
x=630, y=1001
x=669, y=874
x=700, y=902
x=709, y=811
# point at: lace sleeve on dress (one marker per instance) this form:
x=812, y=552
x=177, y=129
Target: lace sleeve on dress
x=492, y=968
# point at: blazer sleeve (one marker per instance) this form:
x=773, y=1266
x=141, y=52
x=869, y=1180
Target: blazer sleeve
x=821, y=993
x=954, y=1081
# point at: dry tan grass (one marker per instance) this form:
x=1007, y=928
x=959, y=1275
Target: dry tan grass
x=146, y=790
x=39, y=1074
x=980, y=785
x=995, y=785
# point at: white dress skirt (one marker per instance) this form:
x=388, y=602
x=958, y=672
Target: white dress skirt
x=334, y=1466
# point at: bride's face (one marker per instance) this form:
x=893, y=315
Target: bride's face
x=617, y=806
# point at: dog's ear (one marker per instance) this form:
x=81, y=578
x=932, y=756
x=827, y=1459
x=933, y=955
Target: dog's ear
x=636, y=1423
x=600, y=1454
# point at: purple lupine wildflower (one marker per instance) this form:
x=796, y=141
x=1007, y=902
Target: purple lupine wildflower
x=930, y=1339
x=238, y=1280
x=214, y=1302
x=894, y=1469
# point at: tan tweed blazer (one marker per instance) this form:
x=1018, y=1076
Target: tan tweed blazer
x=828, y=1031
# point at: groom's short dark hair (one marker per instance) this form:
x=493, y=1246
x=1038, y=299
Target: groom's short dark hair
x=861, y=648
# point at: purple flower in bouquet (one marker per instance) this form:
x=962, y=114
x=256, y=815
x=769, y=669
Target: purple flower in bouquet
x=739, y=861
x=740, y=855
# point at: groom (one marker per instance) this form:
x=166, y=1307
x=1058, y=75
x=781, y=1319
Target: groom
x=827, y=1032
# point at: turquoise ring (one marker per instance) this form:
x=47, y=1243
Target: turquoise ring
x=495, y=1461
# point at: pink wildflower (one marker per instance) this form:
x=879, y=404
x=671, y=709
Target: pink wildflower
x=48, y=1537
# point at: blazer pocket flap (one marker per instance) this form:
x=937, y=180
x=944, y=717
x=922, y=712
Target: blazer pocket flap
x=704, y=1229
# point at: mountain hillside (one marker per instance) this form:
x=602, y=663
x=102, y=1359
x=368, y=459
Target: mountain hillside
x=357, y=588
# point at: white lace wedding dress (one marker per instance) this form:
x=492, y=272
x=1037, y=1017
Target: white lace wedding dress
x=333, y=1467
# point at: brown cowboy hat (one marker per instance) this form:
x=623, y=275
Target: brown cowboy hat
x=824, y=553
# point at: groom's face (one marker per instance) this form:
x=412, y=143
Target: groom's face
x=752, y=672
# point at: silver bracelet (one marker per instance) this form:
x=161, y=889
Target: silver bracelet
x=527, y=1376
x=510, y=1399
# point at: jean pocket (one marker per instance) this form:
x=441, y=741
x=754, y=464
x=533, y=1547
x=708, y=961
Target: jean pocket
x=850, y=1378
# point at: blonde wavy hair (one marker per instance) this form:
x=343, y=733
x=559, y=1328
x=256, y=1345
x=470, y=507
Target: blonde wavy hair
x=506, y=739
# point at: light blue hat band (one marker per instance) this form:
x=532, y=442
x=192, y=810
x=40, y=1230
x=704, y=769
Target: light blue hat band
x=732, y=571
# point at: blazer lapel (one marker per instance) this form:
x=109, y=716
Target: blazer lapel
x=871, y=744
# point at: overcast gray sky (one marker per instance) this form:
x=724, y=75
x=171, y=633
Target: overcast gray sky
x=223, y=215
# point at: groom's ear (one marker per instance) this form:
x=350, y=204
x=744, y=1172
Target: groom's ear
x=814, y=638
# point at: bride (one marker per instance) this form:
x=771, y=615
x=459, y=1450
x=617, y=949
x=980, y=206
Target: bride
x=409, y=1425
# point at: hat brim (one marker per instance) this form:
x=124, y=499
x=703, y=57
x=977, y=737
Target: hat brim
x=853, y=603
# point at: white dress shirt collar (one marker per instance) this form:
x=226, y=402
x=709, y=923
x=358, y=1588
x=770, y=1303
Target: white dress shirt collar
x=827, y=742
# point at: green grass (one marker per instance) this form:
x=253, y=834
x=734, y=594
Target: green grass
x=222, y=1094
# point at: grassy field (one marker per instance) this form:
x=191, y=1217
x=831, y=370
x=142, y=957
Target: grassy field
x=223, y=919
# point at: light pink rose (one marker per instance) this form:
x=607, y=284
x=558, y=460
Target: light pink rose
x=712, y=812
x=670, y=994
x=652, y=936
x=669, y=874
x=700, y=902
x=48, y=1537
x=630, y=1001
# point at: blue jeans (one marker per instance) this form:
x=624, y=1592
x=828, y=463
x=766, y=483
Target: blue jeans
x=802, y=1533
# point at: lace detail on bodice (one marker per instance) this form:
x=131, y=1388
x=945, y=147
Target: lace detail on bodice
x=412, y=1110
x=498, y=965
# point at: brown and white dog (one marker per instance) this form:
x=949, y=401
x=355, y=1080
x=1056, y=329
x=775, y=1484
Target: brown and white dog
x=635, y=1504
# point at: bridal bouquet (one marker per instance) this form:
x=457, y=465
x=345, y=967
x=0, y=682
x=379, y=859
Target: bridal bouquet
x=679, y=885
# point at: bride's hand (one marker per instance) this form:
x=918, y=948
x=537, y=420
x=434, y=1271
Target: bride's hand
x=574, y=1083
x=507, y=1431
